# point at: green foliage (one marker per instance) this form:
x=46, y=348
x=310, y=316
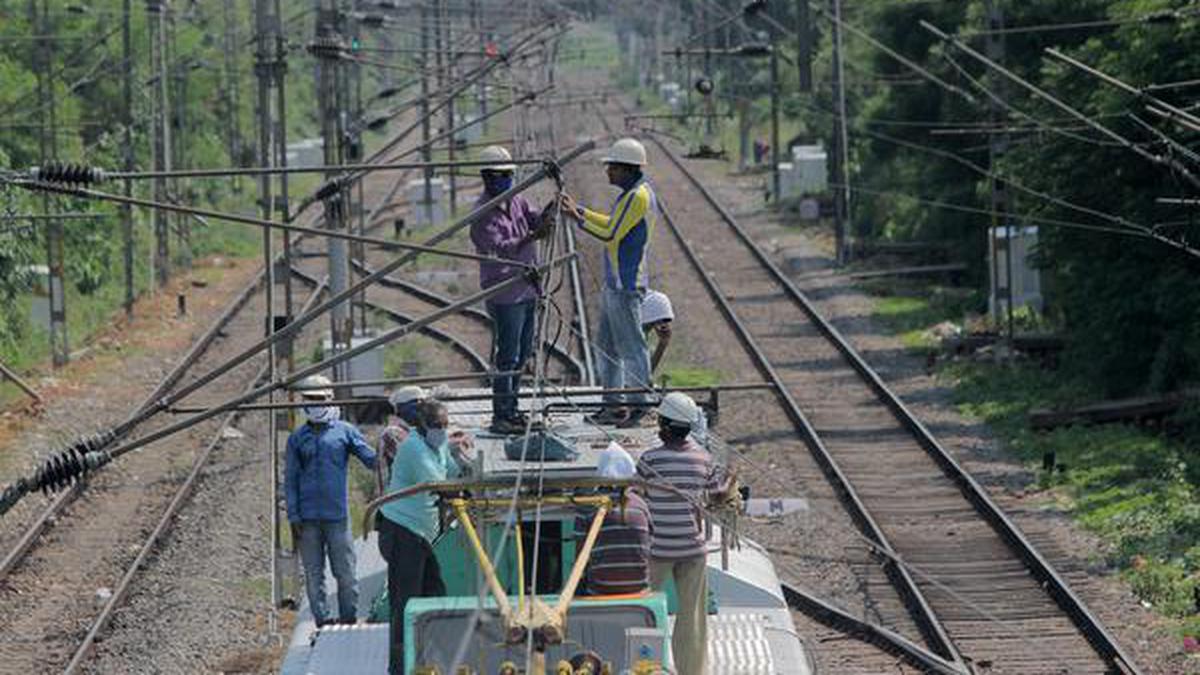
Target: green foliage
x=1137, y=490
x=1130, y=306
x=86, y=73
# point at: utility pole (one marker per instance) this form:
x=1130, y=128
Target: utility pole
x=231, y=86
x=1002, y=244
x=157, y=9
x=126, y=209
x=840, y=159
x=264, y=70
x=426, y=150
x=804, y=46
x=328, y=64
x=776, y=183
x=444, y=20
x=284, y=206
x=43, y=61
x=481, y=86
x=178, y=147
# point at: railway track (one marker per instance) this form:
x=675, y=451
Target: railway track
x=139, y=484
x=983, y=595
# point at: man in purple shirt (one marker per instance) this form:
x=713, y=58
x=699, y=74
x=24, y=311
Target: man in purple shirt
x=509, y=233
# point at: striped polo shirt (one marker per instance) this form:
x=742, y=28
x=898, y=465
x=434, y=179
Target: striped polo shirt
x=620, y=561
x=675, y=520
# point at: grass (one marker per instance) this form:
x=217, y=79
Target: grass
x=679, y=375
x=1136, y=490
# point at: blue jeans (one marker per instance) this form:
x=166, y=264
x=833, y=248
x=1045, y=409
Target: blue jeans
x=512, y=343
x=319, y=538
x=621, y=351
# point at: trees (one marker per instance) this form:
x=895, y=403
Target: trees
x=1128, y=304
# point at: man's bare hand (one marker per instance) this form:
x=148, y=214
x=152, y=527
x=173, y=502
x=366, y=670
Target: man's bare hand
x=568, y=204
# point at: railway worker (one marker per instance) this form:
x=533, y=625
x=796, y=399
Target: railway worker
x=404, y=417
x=620, y=560
x=626, y=232
x=677, y=543
x=510, y=233
x=657, y=317
x=410, y=524
x=318, y=454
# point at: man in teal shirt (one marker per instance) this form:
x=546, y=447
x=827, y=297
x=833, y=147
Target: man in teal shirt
x=409, y=525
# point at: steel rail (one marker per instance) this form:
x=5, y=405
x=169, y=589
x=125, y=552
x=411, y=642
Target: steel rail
x=32, y=532
x=452, y=341
x=181, y=496
x=880, y=636
x=1053, y=582
x=920, y=610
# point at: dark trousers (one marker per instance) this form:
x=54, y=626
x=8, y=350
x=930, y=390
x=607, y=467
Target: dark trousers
x=512, y=343
x=413, y=571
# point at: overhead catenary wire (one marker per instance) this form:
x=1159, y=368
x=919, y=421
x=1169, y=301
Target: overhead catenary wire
x=1168, y=162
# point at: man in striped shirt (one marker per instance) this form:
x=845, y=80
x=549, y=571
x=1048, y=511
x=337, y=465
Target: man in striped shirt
x=677, y=546
x=620, y=560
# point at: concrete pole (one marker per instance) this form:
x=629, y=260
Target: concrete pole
x=995, y=48
x=426, y=150
x=43, y=60
x=804, y=46
x=327, y=96
x=127, y=151
x=840, y=143
x=264, y=71
x=776, y=183
x=444, y=23
x=281, y=155
x=162, y=136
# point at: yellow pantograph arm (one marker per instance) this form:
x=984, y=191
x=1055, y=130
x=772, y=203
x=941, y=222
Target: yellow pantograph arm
x=581, y=560
x=485, y=564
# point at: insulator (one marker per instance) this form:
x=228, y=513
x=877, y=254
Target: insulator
x=68, y=173
x=71, y=465
x=327, y=47
x=331, y=188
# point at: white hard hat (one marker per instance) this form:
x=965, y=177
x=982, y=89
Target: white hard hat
x=656, y=306
x=316, y=386
x=501, y=160
x=679, y=407
x=614, y=462
x=626, y=151
x=407, y=394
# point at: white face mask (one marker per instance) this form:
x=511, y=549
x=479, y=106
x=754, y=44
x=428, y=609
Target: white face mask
x=322, y=414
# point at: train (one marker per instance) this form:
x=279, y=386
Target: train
x=469, y=630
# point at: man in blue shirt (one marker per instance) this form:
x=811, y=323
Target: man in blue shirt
x=318, y=453
x=409, y=525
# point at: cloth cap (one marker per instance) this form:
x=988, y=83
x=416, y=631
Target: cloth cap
x=656, y=306
x=626, y=151
x=316, y=386
x=501, y=160
x=407, y=394
x=615, y=462
x=679, y=407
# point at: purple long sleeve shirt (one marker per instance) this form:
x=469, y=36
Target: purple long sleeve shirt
x=503, y=233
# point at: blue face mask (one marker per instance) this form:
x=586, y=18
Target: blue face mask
x=495, y=183
x=434, y=438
